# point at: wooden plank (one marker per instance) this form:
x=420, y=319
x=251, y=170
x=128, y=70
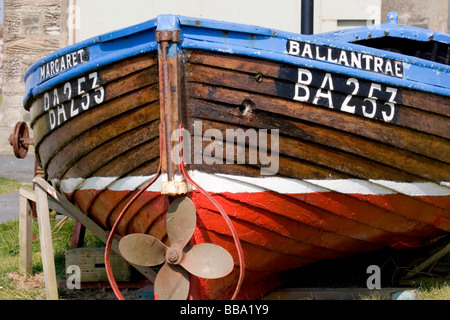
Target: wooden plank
x=341, y=162
x=123, y=145
x=269, y=69
x=78, y=235
x=45, y=236
x=130, y=72
x=92, y=265
x=413, y=141
x=82, y=145
x=25, y=235
x=411, y=163
x=405, y=117
x=88, y=223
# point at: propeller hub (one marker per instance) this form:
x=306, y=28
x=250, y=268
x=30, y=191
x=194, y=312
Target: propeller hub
x=174, y=255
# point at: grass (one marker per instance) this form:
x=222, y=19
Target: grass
x=434, y=291
x=9, y=185
x=13, y=285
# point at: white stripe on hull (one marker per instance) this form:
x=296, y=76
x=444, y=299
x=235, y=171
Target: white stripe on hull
x=219, y=183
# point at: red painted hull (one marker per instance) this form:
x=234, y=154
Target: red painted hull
x=280, y=232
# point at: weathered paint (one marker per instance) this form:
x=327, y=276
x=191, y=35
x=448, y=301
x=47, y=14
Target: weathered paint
x=346, y=194
x=238, y=39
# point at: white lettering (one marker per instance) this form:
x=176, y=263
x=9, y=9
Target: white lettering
x=326, y=95
x=330, y=57
x=55, y=97
x=378, y=64
x=389, y=70
x=345, y=106
x=74, y=58
x=343, y=59
x=389, y=117
x=61, y=112
x=80, y=81
x=69, y=60
x=302, y=84
x=46, y=101
x=356, y=60
x=307, y=52
x=52, y=119
x=318, y=56
x=393, y=92
x=63, y=65
x=294, y=48
x=398, y=69
x=80, y=54
x=42, y=73
x=367, y=59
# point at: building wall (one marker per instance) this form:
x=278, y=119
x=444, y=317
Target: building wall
x=31, y=30
x=100, y=16
x=331, y=15
x=430, y=14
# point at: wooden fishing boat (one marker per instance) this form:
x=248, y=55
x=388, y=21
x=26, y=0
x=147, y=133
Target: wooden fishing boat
x=291, y=148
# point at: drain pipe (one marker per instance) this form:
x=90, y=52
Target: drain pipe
x=307, y=17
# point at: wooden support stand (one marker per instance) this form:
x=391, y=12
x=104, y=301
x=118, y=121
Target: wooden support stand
x=46, y=197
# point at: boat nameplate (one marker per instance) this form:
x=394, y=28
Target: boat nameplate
x=63, y=63
x=359, y=60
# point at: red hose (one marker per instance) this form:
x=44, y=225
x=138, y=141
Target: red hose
x=182, y=168
x=109, y=273
x=237, y=242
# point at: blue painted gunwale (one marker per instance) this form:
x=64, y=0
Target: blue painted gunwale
x=391, y=29
x=238, y=39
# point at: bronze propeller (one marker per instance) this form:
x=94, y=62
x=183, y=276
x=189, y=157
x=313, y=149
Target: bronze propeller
x=204, y=260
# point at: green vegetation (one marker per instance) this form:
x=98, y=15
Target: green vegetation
x=9, y=185
x=14, y=286
x=434, y=290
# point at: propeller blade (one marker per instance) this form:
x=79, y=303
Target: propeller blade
x=171, y=283
x=181, y=220
x=207, y=260
x=142, y=249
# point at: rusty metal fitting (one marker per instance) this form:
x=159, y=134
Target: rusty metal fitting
x=20, y=140
x=167, y=35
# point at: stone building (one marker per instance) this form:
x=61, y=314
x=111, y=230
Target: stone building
x=33, y=29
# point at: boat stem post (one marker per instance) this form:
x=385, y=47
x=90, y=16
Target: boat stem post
x=170, y=71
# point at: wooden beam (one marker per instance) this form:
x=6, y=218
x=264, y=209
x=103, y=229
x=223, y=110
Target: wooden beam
x=444, y=251
x=25, y=234
x=45, y=237
x=78, y=215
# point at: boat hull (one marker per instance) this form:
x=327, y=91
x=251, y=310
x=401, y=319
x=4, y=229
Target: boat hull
x=349, y=165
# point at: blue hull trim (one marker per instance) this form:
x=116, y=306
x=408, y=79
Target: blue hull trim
x=328, y=52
